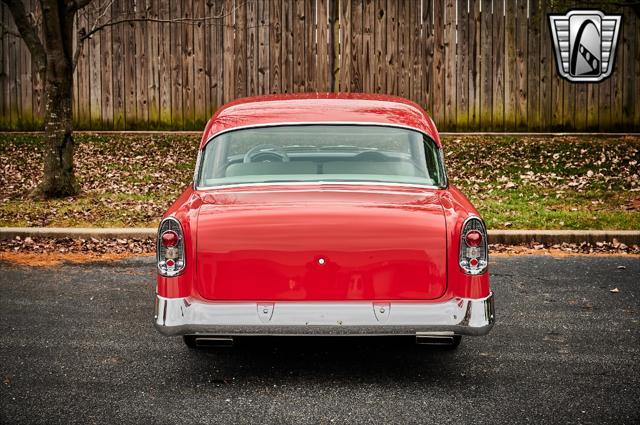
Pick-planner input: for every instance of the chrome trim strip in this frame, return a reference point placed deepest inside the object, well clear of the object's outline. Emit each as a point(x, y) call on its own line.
point(185, 316)
point(300, 183)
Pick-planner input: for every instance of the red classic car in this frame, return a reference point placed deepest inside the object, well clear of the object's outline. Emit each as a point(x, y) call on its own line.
point(322, 214)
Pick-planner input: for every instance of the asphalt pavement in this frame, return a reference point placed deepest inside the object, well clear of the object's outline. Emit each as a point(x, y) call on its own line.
point(77, 345)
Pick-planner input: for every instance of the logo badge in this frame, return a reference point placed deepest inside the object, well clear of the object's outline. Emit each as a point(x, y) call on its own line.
point(585, 43)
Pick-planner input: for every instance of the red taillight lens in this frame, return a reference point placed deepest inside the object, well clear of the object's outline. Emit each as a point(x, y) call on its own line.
point(169, 239)
point(170, 248)
point(473, 256)
point(473, 238)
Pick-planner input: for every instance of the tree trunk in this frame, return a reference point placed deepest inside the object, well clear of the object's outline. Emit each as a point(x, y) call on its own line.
point(59, 179)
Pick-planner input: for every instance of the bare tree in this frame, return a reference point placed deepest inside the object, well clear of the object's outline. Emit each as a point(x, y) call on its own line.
point(54, 60)
point(53, 57)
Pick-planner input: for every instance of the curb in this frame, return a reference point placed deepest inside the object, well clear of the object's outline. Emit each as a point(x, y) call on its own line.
point(505, 237)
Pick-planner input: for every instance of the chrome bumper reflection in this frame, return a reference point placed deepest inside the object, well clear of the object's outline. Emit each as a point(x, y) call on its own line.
point(183, 316)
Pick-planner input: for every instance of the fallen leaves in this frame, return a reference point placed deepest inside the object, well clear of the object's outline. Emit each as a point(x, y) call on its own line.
point(130, 180)
point(69, 245)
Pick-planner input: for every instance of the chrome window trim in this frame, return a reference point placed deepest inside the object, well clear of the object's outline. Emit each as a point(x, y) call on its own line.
point(319, 183)
point(305, 123)
point(184, 248)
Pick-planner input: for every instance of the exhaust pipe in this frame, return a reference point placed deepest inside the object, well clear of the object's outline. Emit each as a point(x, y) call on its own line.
point(213, 341)
point(436, 339)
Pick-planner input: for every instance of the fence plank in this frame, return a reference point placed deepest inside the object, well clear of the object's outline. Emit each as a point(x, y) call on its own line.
point(216, 52)
point(310, 45)
point(345, 45)
point(617, 79)
point(275, 46)
point(356, 46)
point(404, 37)
point(287, 46)
point(427, 54)
point(188, 75)
point(392, 47)
point(533, 67)
point(252, 48)
point(176, 67)
point(228, 35)
point(298, 40)
point(199, 64)
point(450, 63)
point(629, 30)
point(106, 58)
point(636, 76)
point(323, 77)
point(380, 47)
point(4, 113)
point(462, 69)
point(438, 62)
point(475, 51)
point(164, 65)
point(17, 81)
point(521, 63)
point(497, 91)
point(26, 89)
point(510, 69)
point(117, 79)
point(263, 47)
point(546, 69)
point(416, 52)
point(83, 70)
point(486, 67)
point(368, 47)
point(142, 73)
point(10, 72)
point(153, 68)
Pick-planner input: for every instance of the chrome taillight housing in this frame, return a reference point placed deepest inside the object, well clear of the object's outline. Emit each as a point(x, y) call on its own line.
point(170, 248)
point(474, 246)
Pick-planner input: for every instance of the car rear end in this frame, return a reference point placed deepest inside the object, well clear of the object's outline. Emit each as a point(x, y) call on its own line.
point(322, 229)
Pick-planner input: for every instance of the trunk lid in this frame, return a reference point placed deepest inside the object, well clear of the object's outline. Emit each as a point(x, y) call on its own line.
point(321, 244)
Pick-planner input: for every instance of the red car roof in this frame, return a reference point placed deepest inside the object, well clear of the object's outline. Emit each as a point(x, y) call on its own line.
point(320, 108)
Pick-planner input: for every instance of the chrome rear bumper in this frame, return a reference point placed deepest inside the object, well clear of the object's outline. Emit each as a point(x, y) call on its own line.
point(185, 316)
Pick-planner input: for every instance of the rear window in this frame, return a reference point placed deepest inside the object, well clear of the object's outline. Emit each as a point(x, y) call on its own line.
point(321, 153)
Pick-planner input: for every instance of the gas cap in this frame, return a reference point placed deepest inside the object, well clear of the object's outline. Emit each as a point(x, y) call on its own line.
point(265, 312)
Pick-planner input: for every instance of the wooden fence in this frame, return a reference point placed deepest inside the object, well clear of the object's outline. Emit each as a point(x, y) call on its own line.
point(472, 64)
